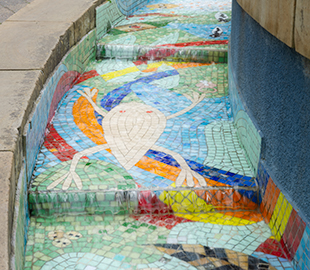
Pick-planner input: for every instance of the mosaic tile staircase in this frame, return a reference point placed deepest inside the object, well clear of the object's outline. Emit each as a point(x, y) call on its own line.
point(149, 242)
point(140, 218)
point(157, 53)
point(171, 32)
point(226, 191)
point(149, 187)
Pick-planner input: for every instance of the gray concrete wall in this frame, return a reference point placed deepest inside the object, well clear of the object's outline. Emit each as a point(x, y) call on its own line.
point(33, 41)
point(274, 83)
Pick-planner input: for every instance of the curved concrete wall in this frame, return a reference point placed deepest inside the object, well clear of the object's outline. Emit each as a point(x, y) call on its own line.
point(271, 83)
point(33, 42)
point(44, 49)
point(288, 20)
point(274, 83)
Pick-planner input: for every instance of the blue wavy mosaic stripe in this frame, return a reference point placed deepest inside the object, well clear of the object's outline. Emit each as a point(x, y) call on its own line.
point(114, 98)
point(218, 175)
point(183, 132)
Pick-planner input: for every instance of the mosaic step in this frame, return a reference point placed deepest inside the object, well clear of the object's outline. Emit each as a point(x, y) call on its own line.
point(139, 202)
point(215, 241)
point(128, 131)
point(143, 165)
point(162, 52)
point(176, 31)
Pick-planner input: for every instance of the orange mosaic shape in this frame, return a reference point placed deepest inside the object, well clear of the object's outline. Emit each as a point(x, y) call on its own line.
point(150, 70)
point(167, 171)
point(248, 215)
point(189, 65)
point(225, 199)
point(159, 168)
point(84, 117)
point(165, 6)
point(269, 201)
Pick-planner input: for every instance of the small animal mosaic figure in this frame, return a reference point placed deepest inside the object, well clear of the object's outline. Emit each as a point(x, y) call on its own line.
point(217, 32)
point(221, 17)
point(206, 85)
point(62, 239)
point(130, 130)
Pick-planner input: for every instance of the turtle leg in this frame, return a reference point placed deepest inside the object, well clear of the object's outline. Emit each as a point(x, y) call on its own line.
point(186, 172)
point(88, 94)
point(195, 100)
point(72, 175)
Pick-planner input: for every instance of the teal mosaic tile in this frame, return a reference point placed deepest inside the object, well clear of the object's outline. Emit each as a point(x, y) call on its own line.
point(224, 149)
point(160, 205)
point(170, 31)
point(107, 15)
point(250, 138)
point(114, 242)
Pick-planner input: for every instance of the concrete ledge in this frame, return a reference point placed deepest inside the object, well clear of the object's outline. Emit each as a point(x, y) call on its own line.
point(288, 20)
point(302, 28)
point(276, 16)
point(7, 191)
point(33, 42)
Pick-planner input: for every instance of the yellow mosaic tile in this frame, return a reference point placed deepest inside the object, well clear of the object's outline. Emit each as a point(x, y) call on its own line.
point(184, 201)
point(119, 73)
point(280, 217)
point(158, 64)
point(217, 218)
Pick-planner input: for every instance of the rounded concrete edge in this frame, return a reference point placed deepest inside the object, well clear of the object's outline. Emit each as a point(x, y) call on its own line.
point(293, 30)
point(21, 86)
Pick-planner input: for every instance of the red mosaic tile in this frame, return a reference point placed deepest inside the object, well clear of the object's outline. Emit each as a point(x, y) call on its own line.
point(292, 235)
point(66, 81)
point(87, 75)
point(58, 146)
point(156, 14)
point(167, 221)
point(140, 62)
point(157, 54)
point(272, 247)
point(196, 43)
point(269, 201)
point(150, 204)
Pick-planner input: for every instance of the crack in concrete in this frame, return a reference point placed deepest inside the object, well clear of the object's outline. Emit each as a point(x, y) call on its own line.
point(26, 69)
point(7, 8)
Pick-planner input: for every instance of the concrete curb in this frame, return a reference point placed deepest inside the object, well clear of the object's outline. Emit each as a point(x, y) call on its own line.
point(33, 42)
